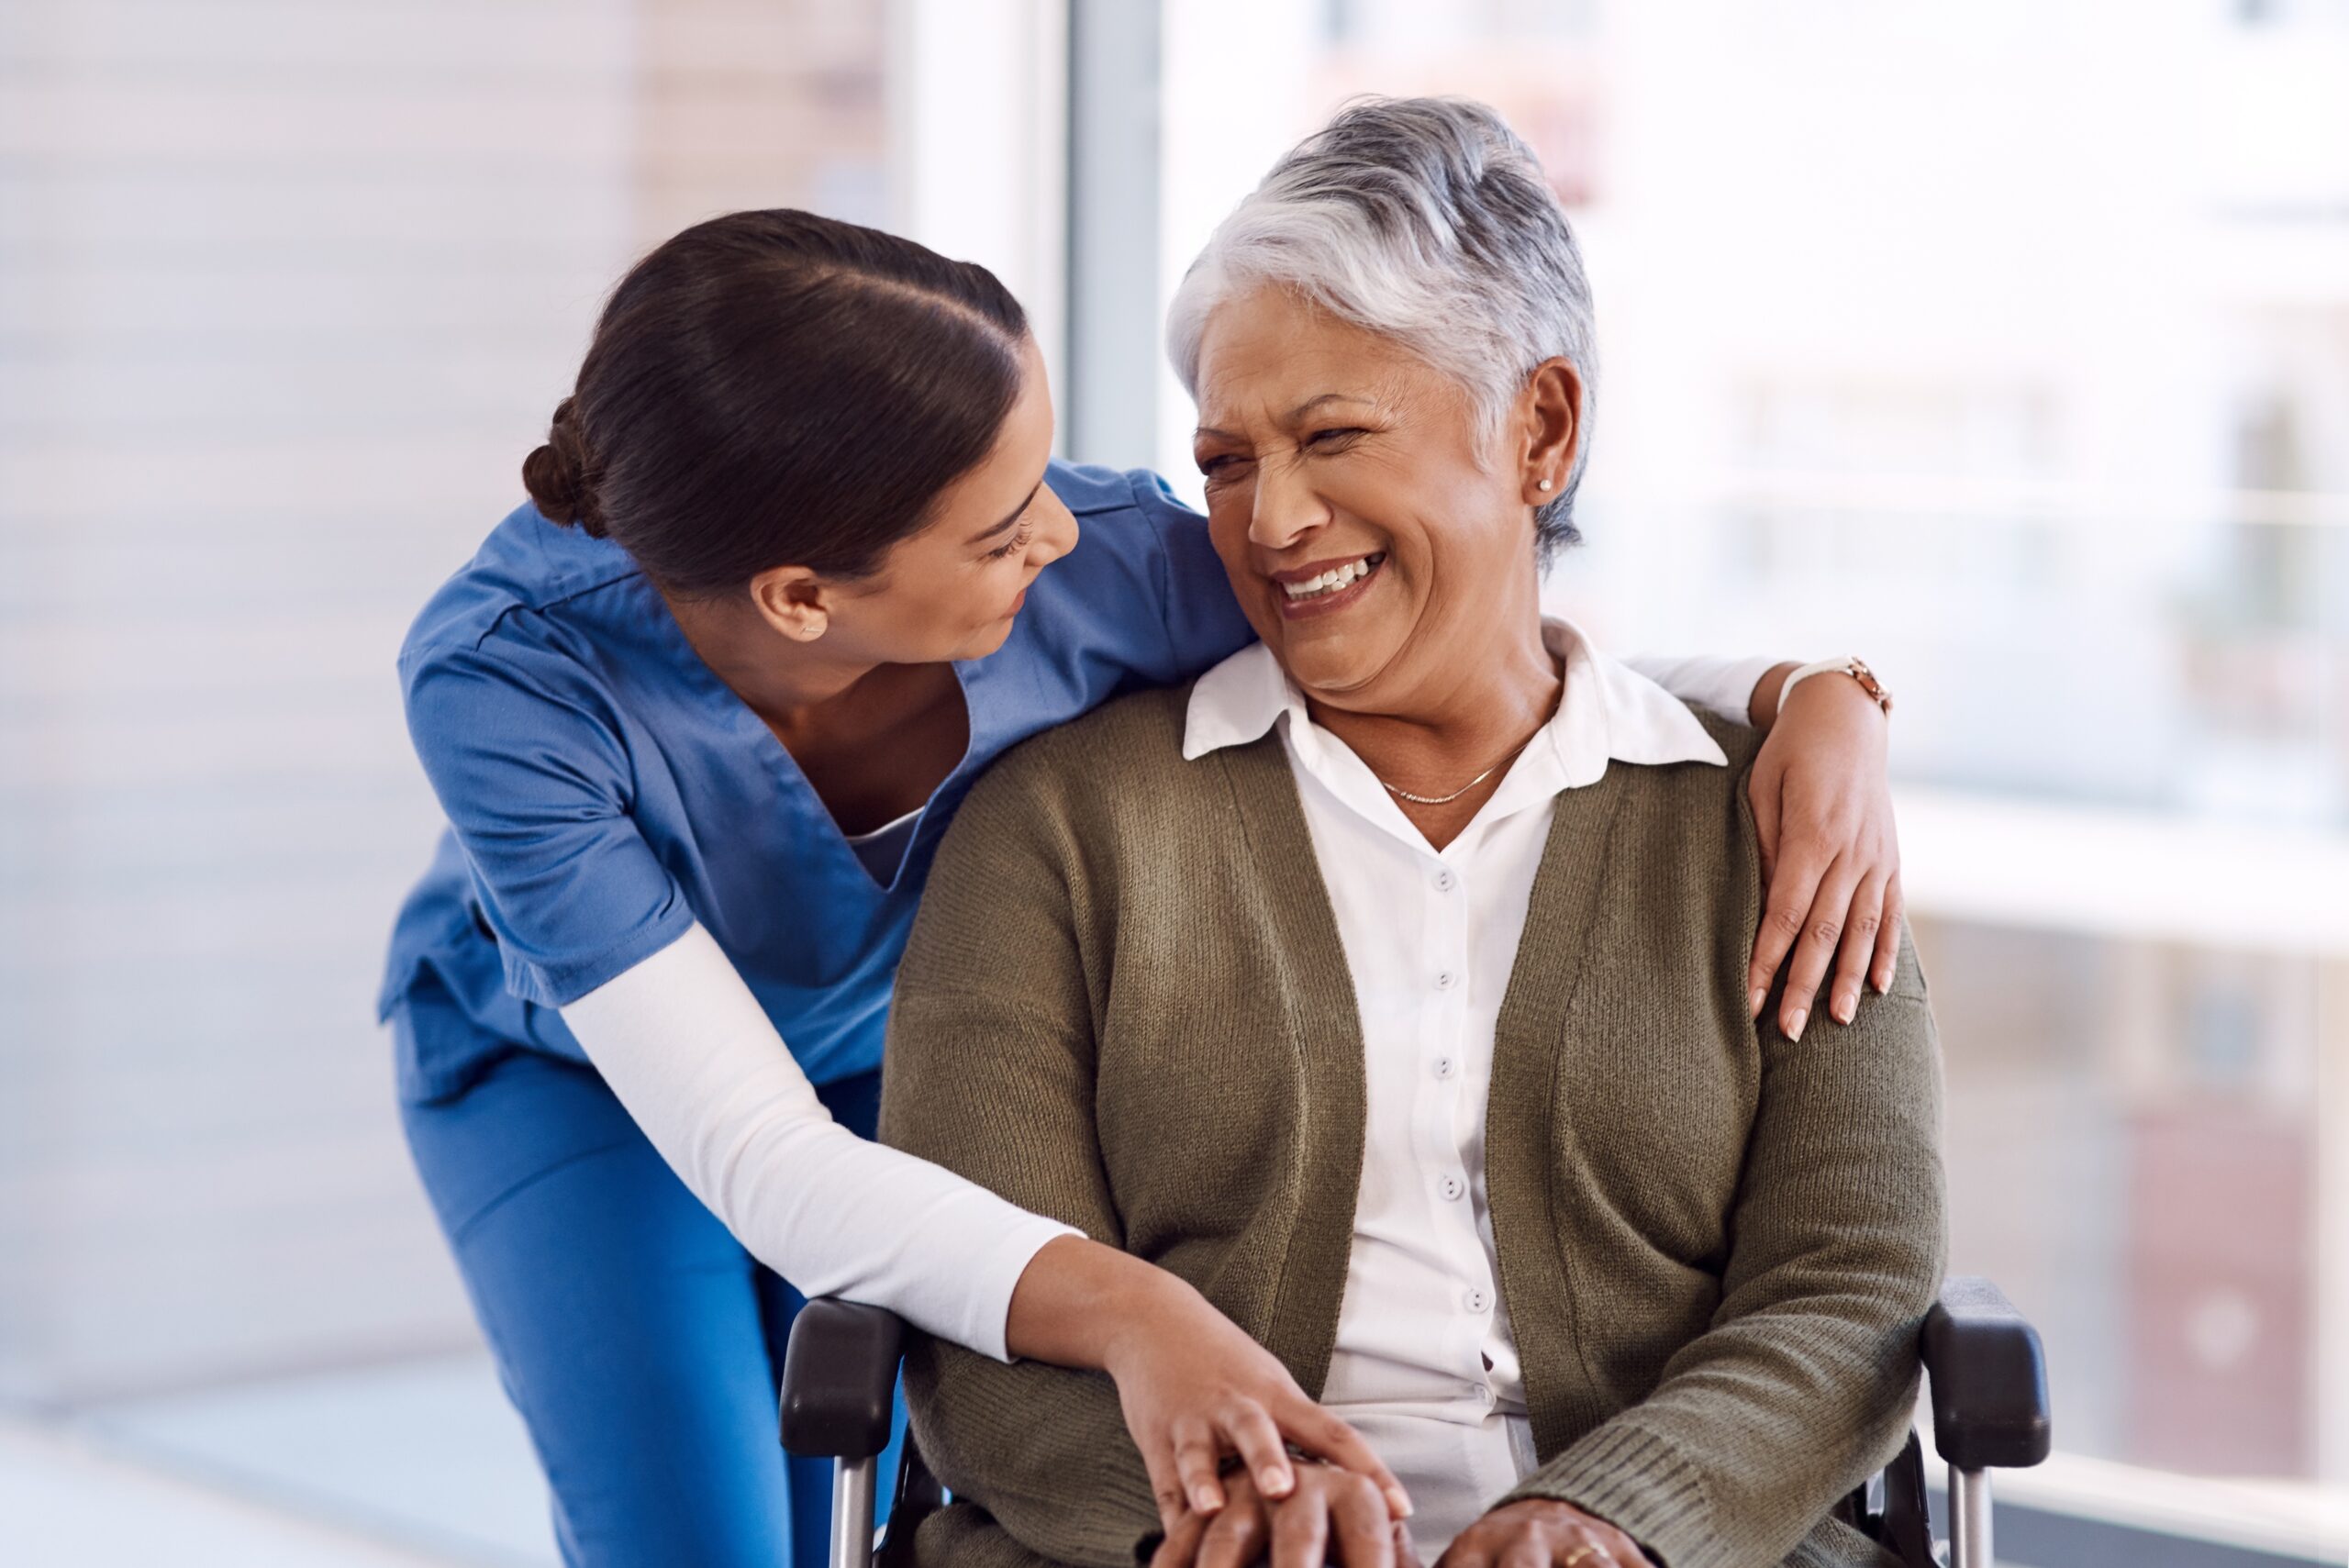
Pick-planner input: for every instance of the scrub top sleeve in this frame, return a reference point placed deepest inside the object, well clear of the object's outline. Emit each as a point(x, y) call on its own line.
point(1204, 624)
point(531, 772)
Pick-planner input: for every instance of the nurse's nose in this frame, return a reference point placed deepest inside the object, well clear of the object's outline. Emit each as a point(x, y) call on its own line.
point(1056, 532)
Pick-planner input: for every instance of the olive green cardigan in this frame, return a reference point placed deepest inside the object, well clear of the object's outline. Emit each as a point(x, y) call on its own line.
point(1126, 1005)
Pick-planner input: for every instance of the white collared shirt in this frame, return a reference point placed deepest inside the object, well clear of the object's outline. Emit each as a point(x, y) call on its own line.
point(1425, 1363)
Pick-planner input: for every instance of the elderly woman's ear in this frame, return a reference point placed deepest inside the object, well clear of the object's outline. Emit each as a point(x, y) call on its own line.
point(1549, 429)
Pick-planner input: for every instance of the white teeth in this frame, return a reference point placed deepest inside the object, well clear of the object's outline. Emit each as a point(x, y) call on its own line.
point(1335, 578)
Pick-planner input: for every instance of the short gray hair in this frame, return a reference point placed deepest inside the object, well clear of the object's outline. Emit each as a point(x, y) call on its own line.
point(1428, 221)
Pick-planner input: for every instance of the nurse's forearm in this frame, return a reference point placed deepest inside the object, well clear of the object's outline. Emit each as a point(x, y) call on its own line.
point(1730, 687)
point(1079, 1303)
point(694, 1060)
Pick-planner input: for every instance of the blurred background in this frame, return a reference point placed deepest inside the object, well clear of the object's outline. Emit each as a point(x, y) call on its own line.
point(2004, 344)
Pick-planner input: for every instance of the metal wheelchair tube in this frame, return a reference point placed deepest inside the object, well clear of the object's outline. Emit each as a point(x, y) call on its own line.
point(1969, 1518)
point(852, 1512)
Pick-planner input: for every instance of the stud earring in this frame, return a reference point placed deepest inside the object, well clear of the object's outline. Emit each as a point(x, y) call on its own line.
point(1542, 485)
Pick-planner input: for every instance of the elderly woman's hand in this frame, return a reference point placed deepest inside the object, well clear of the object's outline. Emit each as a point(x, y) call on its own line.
point(1537, 1533)
point(1824, 806)
point(1331, 1516)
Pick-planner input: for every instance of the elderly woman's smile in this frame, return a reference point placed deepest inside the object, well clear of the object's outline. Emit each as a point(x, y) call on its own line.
point(1322, 587)
point(1365, 512)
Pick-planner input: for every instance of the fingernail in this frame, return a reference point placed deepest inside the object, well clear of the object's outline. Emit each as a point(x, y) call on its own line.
point(1275, 1483)
point(1845, 1007)
point(1204, 1500)
point(1754, 1000)
point(1794, 1025)
point(1883, 987)
point(1399, 1504)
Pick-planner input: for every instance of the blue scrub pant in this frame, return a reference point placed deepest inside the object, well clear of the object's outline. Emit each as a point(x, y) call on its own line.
point(642, 1344)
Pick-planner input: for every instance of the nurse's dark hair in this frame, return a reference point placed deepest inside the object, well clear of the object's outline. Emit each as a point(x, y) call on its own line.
point(779, 389)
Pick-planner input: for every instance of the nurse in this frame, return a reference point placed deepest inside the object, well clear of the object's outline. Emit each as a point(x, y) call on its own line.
point(797, 565)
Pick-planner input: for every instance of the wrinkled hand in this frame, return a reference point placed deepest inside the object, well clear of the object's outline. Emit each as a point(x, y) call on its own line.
point(1538, 1534)
point(1329, 1516)
point(1194, 1386)
point(1830, 861)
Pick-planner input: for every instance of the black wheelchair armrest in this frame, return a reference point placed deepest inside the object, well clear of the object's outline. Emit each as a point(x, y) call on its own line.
point(839, 1373)
point(1989, 1379)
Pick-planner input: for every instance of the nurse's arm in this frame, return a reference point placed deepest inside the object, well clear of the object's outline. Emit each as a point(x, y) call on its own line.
point(1822, 803)
point(533, 766)
point(695, 1061)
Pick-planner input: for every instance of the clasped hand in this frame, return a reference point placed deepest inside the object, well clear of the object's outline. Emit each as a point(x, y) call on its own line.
point(1332, 1515)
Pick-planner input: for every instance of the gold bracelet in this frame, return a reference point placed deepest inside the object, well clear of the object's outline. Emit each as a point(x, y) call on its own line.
point(1854, 668)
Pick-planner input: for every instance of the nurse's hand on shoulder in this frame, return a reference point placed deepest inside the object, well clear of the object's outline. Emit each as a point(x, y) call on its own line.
point(1537, 1533)
point(1330, 1516)
point(1830, 861)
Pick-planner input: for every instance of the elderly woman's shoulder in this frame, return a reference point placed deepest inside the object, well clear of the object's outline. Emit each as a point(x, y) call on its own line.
point(1679, 795)
point(1741, 743)
point(1131, 736)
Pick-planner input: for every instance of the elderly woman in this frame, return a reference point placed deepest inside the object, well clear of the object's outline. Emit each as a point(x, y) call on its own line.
point(1389, 983)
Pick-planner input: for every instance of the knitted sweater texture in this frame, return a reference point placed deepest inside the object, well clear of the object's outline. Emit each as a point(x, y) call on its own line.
point(1126, 1005)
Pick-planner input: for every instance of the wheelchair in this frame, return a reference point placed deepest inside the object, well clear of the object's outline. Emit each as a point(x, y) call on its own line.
point(1983, 1362)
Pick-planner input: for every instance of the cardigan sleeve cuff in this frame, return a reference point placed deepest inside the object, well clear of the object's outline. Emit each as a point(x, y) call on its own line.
point(1641, 1485)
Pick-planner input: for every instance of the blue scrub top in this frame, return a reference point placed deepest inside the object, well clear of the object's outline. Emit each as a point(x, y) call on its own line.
point(605, 790)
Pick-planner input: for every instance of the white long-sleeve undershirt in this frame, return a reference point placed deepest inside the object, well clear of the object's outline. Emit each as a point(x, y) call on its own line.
point(695, 1061)
point(1714, 682)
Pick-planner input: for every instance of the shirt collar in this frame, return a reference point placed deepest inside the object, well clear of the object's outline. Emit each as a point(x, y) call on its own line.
point(1608, 713)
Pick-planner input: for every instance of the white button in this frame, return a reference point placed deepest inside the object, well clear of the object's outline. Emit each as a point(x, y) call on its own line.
point(1445, 881)
point(1445, 1067)
point(1453, 1188)
point(1477, 1300)
point(1446, 980)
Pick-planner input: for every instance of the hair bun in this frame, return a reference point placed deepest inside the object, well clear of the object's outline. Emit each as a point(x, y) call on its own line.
point(561, 475)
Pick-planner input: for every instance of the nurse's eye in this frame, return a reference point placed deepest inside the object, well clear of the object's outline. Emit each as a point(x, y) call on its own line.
point(1336, 441)
point(1015, 544)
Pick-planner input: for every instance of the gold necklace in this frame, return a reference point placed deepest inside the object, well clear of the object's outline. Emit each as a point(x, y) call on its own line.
point(1464, 789)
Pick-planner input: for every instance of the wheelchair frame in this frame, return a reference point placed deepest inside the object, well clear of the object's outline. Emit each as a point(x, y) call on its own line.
point(1983, 1362)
